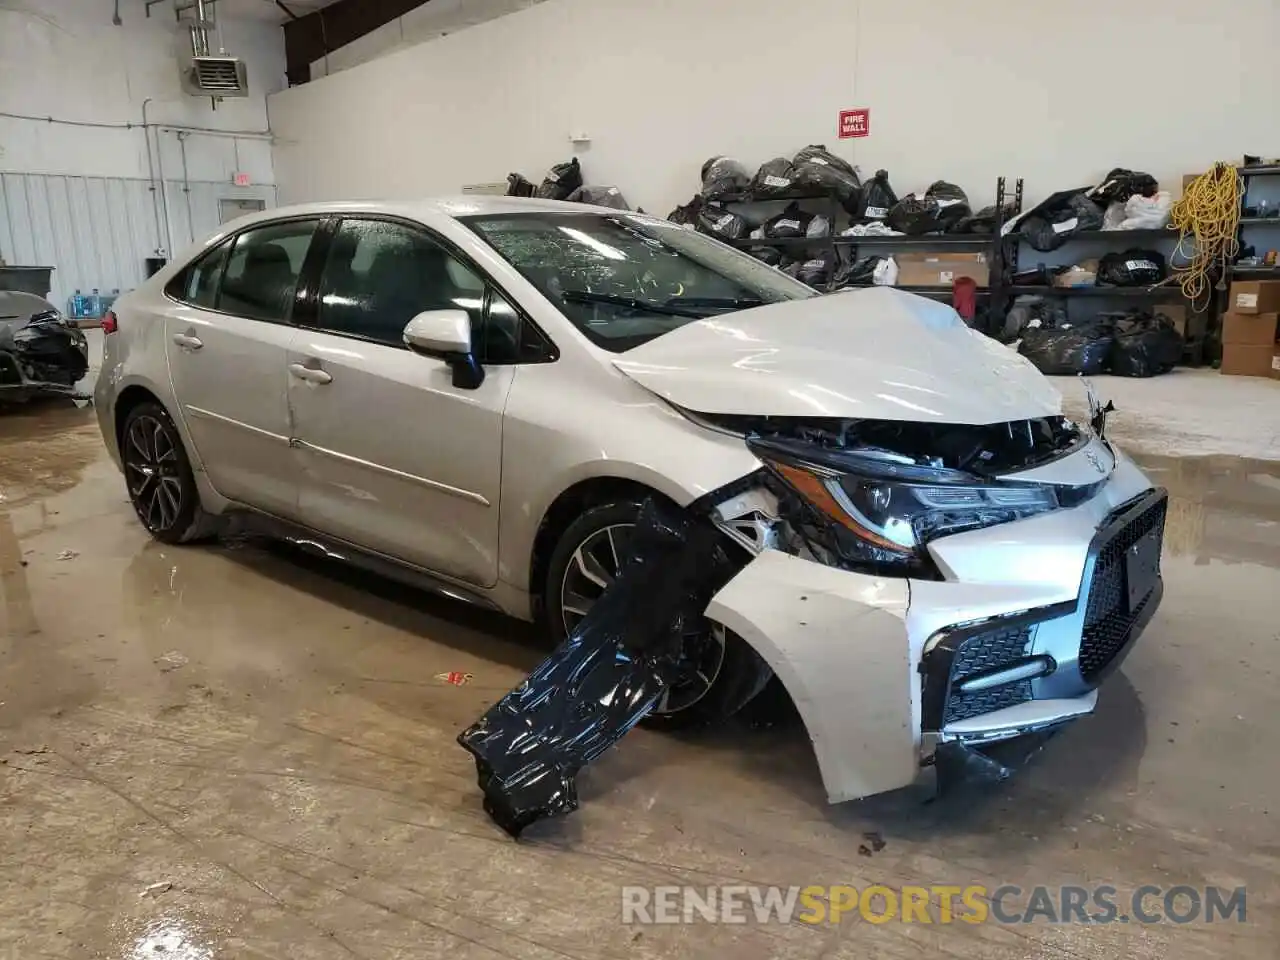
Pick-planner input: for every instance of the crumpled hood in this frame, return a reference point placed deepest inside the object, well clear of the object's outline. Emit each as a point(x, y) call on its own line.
point(879, 354)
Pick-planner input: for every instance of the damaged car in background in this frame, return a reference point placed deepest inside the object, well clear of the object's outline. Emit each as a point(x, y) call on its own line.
point(697, 472)
point(42, 354)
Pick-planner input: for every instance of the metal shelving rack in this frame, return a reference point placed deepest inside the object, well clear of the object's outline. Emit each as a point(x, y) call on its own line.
point(1248, 173)
point(834, 243)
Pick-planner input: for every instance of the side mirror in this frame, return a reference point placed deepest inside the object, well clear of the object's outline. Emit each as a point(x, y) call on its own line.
point(446, 335)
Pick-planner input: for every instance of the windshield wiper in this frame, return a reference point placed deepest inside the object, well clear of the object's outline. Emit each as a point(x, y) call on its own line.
point(729, 303)
point(649, 306)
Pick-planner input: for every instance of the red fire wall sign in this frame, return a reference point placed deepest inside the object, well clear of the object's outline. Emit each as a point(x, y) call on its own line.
point(855, 123)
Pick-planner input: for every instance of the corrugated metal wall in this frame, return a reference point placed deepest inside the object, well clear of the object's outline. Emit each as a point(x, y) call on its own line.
point(97, 231)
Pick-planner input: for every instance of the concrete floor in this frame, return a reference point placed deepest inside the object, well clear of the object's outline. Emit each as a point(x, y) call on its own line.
point(265, 738)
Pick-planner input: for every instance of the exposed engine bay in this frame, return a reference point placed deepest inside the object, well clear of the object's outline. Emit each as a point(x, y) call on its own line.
point(41, 354)
point(857, 495)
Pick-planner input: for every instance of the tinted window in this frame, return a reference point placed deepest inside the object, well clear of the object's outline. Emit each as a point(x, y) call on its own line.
point(262, 272)
point(667, 275)
point(379, 275)
point(198, 284)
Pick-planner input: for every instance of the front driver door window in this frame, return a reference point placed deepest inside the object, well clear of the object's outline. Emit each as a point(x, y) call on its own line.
point(398, 459)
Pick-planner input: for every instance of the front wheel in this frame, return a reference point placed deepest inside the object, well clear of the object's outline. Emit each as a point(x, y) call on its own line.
point(717, 673)
point(158, 474)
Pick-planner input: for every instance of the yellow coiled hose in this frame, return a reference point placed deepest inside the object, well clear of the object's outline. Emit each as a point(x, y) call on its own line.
point(1208, 219)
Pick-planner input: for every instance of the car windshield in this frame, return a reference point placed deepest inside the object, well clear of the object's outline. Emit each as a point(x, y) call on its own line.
point(626, 278)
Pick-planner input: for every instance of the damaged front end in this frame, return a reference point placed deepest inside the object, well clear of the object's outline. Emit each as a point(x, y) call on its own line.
point(935, 599)
point(41, 355)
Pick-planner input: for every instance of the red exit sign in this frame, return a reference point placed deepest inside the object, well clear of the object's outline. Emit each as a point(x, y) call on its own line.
point(241, 179)
point(855, 123)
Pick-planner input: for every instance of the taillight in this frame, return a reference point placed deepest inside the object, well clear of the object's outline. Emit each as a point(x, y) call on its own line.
point(109, 324)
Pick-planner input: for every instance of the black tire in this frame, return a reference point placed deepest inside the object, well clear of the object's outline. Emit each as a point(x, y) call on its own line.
point(735, 672)
point(158, 476)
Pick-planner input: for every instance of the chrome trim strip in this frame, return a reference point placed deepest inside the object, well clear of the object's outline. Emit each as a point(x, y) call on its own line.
point(392, 472)
point(210, 415)
point(1028, 669)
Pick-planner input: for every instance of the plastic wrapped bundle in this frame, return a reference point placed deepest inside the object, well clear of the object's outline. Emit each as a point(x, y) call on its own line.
point(720, 223)
point(1068, 350)
point(775, 178)
point(600, 197)
point(561, 180)
point(722, 176)
point(518, 186)
point(878, 198)
point(1132, 268)
point(1144, 346)
point(792, 222)
point(687, 215)
point(821, 171)
point(1121, 184)
point(1050, 228)
point(942, 206)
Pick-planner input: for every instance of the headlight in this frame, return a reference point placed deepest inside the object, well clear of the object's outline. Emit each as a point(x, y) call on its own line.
point(881, 510)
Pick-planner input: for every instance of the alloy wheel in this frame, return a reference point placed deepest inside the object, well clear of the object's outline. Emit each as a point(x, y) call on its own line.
point(593, 566)
point(152, 471)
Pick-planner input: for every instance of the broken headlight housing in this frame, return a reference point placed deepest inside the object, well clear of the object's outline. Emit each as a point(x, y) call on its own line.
point(877, 510)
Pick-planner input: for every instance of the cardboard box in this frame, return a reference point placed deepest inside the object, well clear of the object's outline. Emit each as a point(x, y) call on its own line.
point(1248, 360)
point(1187, 178)
point(1249, 330)
point(1255, 296)
point(941, 269)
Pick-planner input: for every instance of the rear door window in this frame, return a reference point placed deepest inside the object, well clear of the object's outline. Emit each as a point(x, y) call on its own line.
point(261, 277)
point(198, 283)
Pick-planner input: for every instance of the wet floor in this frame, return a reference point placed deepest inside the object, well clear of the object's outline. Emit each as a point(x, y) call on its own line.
point(236, 752)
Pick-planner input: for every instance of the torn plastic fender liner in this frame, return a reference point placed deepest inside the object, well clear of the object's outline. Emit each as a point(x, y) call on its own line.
point(606, 676)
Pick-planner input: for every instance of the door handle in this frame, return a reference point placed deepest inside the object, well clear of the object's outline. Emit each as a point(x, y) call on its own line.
point(187, 342)
point(309, 374)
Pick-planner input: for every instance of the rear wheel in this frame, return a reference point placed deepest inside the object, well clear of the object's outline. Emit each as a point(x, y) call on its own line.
point(158, 475)
point(717, 674)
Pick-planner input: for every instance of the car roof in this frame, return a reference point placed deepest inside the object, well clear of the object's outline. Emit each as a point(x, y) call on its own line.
point(462, 206)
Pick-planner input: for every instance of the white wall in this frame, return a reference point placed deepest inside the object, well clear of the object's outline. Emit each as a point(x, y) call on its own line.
point(67, 189)
point(966, 92)
point(63, 58)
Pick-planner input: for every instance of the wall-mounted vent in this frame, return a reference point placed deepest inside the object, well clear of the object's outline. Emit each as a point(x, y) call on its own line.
point(216, 77)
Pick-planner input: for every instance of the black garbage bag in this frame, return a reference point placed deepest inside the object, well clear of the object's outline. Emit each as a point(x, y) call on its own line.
point(721, 223)
point(821, 171)
point(770, 255)
point(942, 207)
point(722, 176)
point(859, 273)
point(687, 215)
point(1131, 268)
point(791, 222)
point(984, 221)
point(1121, 184)
point(518, 186)
point(817, 271)
point(612, 669)
point(1051, 227)
point(1068, 350)
point(600, 197)
point(561, 180)
point(953, 203)
point(1144, 346)
point(878, 198)
point(775, 178)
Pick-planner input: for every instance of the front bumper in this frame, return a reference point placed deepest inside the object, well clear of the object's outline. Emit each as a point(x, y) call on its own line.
point(892, 675)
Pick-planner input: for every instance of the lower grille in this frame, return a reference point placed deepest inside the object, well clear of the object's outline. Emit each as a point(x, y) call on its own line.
point(980, 654)
point(1108, 619)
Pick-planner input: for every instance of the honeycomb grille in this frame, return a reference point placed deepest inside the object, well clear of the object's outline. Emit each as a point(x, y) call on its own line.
point(978, 654)
point(1107, 621)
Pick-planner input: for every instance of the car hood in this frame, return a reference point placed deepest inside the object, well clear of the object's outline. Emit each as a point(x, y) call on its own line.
point(878, 353)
